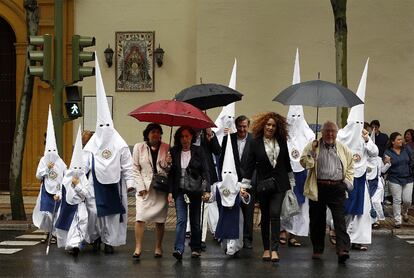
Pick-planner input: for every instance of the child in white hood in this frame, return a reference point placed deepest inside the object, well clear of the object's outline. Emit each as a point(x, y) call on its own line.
point(72, 223)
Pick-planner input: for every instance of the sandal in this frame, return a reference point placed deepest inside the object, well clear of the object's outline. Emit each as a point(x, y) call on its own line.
point(359, 247)
point(136, 256)
point(283, 237)
point(294, 243)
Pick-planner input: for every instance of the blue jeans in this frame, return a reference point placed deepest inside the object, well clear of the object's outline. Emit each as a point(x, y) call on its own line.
point(181, 211)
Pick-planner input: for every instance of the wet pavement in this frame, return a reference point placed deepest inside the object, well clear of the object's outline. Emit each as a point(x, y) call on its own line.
point(388, 256)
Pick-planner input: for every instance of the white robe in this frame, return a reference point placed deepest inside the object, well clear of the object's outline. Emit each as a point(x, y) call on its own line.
point(109, 228)
point(359, 226)
point(43, 219)
point(78, 231)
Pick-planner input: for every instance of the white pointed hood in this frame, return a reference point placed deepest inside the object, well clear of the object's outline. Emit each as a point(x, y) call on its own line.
point(300, 134)
point(51, 151)
point(351, 134)
point(76, 162)
point(76, 169)
point(106, 142)
point(52, 177)
point(226, 117)
point(229, 187)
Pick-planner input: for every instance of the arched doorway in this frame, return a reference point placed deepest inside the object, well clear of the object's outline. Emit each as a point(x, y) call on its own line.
point(7, 99)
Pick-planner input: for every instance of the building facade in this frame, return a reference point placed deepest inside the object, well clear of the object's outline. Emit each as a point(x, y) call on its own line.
point(201, 39)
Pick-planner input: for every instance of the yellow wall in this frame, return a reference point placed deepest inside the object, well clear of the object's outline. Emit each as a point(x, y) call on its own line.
point(175, 29)
point(202, 37)
point(14, 13)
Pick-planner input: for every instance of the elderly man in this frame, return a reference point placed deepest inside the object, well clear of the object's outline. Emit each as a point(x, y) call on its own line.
point(331, 173)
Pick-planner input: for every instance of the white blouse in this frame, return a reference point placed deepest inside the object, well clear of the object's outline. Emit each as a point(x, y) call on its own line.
point(272, 150)
point(185, 158)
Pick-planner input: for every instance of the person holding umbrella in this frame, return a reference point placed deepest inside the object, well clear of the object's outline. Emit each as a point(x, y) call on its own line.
point(189, 184)
point(150, 157)
point(268, 155)
point(330, 171)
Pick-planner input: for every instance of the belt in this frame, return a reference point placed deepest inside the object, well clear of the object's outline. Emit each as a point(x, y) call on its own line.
point(330, 182)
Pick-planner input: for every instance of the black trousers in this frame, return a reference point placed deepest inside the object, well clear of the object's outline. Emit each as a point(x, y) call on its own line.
point(248, 215)
point(332, 196)
point(270, 207)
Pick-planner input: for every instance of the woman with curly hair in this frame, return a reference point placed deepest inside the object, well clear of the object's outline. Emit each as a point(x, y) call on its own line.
point(268, 155)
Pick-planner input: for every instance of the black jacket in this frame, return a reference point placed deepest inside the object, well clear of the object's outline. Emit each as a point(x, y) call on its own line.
point(237, 161)
point(210, 148)
point(257, 159)
point(197, 165)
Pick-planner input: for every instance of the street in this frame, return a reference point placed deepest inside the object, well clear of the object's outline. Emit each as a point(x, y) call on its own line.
point(389, 256)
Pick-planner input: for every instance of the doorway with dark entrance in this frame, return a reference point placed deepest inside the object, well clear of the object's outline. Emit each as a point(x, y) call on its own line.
point(7, 99)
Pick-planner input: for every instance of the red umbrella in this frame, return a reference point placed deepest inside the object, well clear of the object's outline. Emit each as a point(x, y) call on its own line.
point(172, 113)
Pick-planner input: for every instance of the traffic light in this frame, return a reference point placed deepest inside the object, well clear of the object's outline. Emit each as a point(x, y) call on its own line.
point(73, 102)
point(79, 57)
point(42, 55)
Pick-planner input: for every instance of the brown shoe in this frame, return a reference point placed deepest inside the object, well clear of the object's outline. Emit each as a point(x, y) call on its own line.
point(275, 257)
point(266, 255)
point(195, 255)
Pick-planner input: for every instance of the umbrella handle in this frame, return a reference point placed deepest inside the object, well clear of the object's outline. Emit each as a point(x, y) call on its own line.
point(170, 136)
point(316, 126)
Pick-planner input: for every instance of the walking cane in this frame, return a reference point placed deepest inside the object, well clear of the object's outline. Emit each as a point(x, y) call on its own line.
point(202, 217)
point(51, 230)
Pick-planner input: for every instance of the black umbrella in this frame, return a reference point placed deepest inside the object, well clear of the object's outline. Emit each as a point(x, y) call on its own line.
point(206, 96)
point(318, 93)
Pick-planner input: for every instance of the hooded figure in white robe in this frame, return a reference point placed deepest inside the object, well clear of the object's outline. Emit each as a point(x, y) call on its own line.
point(358, 206)
point(227, 194)
point(50, 172)
point(110, 164)
point(375, 169)
point(72, 223)
point(224, 120)
point(299, 135)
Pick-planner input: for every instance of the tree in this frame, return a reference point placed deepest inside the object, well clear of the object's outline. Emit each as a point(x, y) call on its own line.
point(15, 175)
point(341, 33)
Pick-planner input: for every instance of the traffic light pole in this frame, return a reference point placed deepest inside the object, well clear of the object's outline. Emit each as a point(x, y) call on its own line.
point(58, 78)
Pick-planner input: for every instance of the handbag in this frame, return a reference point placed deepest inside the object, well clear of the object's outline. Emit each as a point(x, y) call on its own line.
point(191, 183)
point(160, 183)
point(290, 205)
point(266, 186)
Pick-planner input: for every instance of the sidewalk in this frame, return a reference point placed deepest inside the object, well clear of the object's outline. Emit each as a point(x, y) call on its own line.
point(387, 226)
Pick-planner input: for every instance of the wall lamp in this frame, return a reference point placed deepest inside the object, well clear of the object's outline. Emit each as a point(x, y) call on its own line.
point(159, 55)
point(109, 55)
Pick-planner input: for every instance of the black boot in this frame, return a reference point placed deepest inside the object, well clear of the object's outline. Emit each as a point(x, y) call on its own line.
point(97, 245)
point(108, 249)
point(75, 252)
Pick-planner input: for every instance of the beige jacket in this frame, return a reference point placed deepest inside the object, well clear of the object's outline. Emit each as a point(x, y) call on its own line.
point(143, 164)
point(308, 162)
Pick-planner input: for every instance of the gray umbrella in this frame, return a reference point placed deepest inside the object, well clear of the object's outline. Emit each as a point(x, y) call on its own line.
point(318, 93)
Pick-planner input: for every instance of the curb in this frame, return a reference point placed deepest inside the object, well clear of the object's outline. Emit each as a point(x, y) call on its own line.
point(16, 226)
